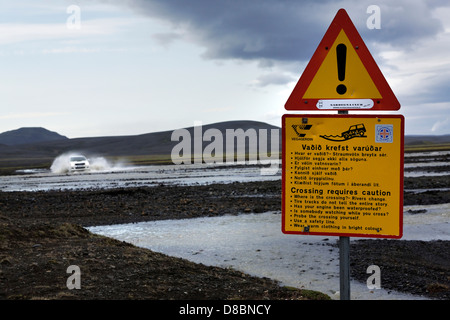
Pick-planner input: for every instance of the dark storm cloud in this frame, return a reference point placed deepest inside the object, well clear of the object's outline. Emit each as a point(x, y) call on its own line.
point(283, 30)
point(405, 23)
point(250, 29)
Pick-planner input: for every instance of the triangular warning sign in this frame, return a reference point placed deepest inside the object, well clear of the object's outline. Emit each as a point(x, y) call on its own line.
point(342, 74)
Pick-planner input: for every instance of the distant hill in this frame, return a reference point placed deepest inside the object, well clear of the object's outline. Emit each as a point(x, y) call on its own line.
point(427, 140)
point(38, 147)
point(158, 145)
point(28, 135)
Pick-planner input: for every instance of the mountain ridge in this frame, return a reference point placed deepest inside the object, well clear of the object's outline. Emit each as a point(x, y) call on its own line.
point(148, 145)
point(154, 144)
point(27, 135)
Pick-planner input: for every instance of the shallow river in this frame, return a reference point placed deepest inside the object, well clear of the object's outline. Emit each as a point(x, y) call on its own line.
point(252, 243)
point(107, 175)
point(122, 177)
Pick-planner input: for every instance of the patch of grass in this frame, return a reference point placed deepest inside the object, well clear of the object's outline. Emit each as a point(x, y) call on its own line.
point(426, 147)
point(309, 294)
point(314, 295)
point(145, 160)
point(10, 166)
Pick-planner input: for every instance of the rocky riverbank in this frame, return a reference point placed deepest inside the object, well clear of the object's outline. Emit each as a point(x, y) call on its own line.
point(42, 234)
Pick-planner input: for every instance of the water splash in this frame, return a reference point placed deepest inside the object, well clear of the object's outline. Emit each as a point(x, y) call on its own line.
point(61, 163)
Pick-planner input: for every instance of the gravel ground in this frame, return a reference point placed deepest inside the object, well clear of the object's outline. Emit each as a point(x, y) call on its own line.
point(42, 234)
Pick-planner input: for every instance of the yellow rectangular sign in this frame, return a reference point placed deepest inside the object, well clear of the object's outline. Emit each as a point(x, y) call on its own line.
point(343, 175)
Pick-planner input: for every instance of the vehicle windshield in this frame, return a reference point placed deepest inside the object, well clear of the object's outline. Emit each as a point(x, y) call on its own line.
point(77, 158)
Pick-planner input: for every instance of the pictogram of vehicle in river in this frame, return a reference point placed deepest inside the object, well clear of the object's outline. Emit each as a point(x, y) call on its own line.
point(355, 131)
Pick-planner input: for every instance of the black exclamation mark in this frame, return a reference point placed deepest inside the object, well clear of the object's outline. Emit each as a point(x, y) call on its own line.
point(341, 53)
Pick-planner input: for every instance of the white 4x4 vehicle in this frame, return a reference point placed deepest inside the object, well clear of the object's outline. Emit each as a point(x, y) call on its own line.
point(78, 163)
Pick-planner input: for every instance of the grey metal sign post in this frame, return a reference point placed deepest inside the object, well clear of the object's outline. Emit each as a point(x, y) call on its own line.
point(344, 267)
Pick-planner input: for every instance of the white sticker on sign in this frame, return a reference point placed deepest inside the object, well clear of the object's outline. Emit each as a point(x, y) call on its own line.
point(345, 104)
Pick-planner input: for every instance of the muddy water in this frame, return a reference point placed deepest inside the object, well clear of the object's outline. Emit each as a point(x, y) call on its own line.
point(127, 176)
point(254, 243)
point(118, 175)
point(251, 243)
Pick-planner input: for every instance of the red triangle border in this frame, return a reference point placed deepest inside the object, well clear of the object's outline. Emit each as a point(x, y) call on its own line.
point(340, 22)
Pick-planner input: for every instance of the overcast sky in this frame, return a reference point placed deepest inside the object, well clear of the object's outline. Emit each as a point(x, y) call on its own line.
point(125, 67)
